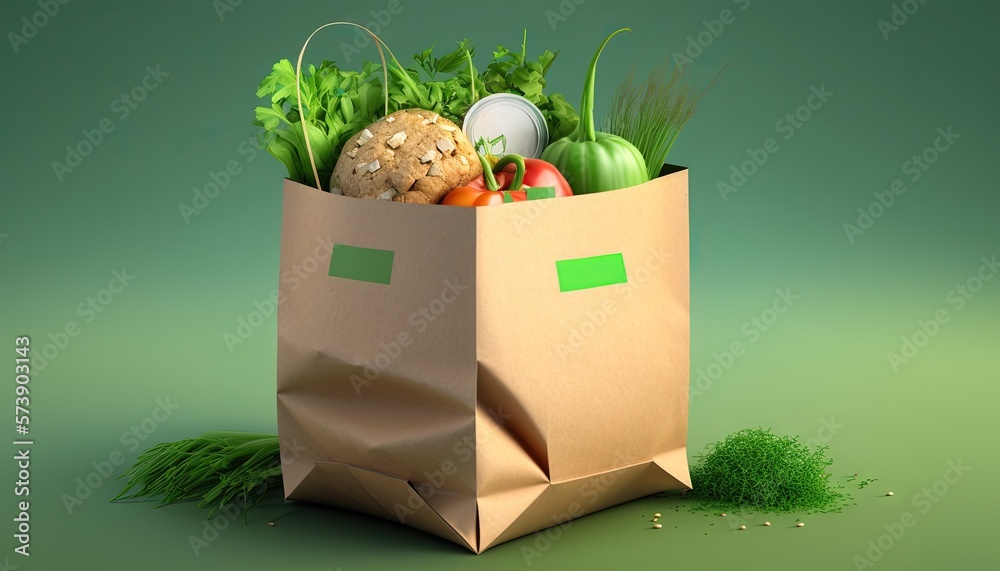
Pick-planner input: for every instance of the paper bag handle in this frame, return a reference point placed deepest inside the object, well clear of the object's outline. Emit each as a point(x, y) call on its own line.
point(298, 87)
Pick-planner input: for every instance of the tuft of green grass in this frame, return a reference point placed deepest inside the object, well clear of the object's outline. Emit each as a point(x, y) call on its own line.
point(757, 469)
point(217, 468)
point(652, 114)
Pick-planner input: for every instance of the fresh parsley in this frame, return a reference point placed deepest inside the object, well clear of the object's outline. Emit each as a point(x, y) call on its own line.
point(337, 103)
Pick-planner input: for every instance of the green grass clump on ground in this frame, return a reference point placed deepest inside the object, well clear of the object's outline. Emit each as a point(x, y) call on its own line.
point(759, 470)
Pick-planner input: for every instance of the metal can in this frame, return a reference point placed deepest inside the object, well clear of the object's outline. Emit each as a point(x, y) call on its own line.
point(512, 116)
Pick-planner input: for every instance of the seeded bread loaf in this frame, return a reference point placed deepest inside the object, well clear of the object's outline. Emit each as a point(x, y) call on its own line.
point(412, 155)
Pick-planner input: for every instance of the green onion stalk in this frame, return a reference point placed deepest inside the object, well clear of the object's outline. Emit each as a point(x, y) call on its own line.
point(217, 468)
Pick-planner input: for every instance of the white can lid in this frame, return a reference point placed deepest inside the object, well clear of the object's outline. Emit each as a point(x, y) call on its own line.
point(512, 116)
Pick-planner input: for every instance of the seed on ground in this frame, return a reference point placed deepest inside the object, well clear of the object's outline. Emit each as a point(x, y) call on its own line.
point(767, 523)
point(656, 519)
point(890, 494)
point(270, 523)
point(800, 524)
point(743, 527)
point(723, 515)
point(656, 515)
point(657, 526)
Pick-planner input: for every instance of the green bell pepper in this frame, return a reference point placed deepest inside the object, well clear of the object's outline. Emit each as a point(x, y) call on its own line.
point(593, 161)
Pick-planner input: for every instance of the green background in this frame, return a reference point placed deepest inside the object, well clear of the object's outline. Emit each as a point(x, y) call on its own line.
point(822, 364)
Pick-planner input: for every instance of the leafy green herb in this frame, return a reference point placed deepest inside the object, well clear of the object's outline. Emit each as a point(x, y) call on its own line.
point(651, 115)
point(754, 468)
point(513, 72)
point(217, 468)
point(446, 64)
point(337, 103)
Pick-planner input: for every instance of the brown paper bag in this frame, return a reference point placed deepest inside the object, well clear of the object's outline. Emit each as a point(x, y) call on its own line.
point(484, 373)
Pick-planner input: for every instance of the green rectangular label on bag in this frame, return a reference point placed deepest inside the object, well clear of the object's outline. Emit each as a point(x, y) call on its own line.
point(586, 273)
point(541, 192)
point(361, 264)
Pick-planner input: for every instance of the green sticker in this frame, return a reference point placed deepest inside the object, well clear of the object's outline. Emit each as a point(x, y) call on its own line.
point(361, 264)
point(586, 273)
point(506, 196)
point(540, 192)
